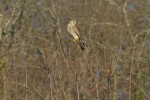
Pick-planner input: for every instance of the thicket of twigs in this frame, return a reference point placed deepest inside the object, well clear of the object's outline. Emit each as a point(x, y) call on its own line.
point(38, 60)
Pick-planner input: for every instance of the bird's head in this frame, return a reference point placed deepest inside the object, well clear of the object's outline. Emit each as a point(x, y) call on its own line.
point(72, 22)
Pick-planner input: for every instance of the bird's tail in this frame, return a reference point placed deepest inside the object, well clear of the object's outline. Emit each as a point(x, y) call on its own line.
point(82, 44)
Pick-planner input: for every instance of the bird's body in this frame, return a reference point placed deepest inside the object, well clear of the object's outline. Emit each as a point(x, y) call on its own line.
point(73, 31)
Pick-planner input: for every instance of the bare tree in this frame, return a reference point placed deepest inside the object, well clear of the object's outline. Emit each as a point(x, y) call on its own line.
point(38, 59)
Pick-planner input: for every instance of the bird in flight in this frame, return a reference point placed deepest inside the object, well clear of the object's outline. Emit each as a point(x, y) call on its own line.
point(73, 31)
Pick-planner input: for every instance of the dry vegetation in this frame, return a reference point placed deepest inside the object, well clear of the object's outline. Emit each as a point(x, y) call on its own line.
point(38, 60)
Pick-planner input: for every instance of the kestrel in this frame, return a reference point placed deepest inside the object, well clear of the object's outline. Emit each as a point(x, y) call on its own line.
point(73, 31)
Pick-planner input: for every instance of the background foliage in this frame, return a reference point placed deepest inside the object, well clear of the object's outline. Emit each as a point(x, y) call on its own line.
point(38, 60)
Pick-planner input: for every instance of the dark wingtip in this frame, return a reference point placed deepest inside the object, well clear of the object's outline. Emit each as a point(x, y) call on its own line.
point(82, 48)
point(82, 44)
